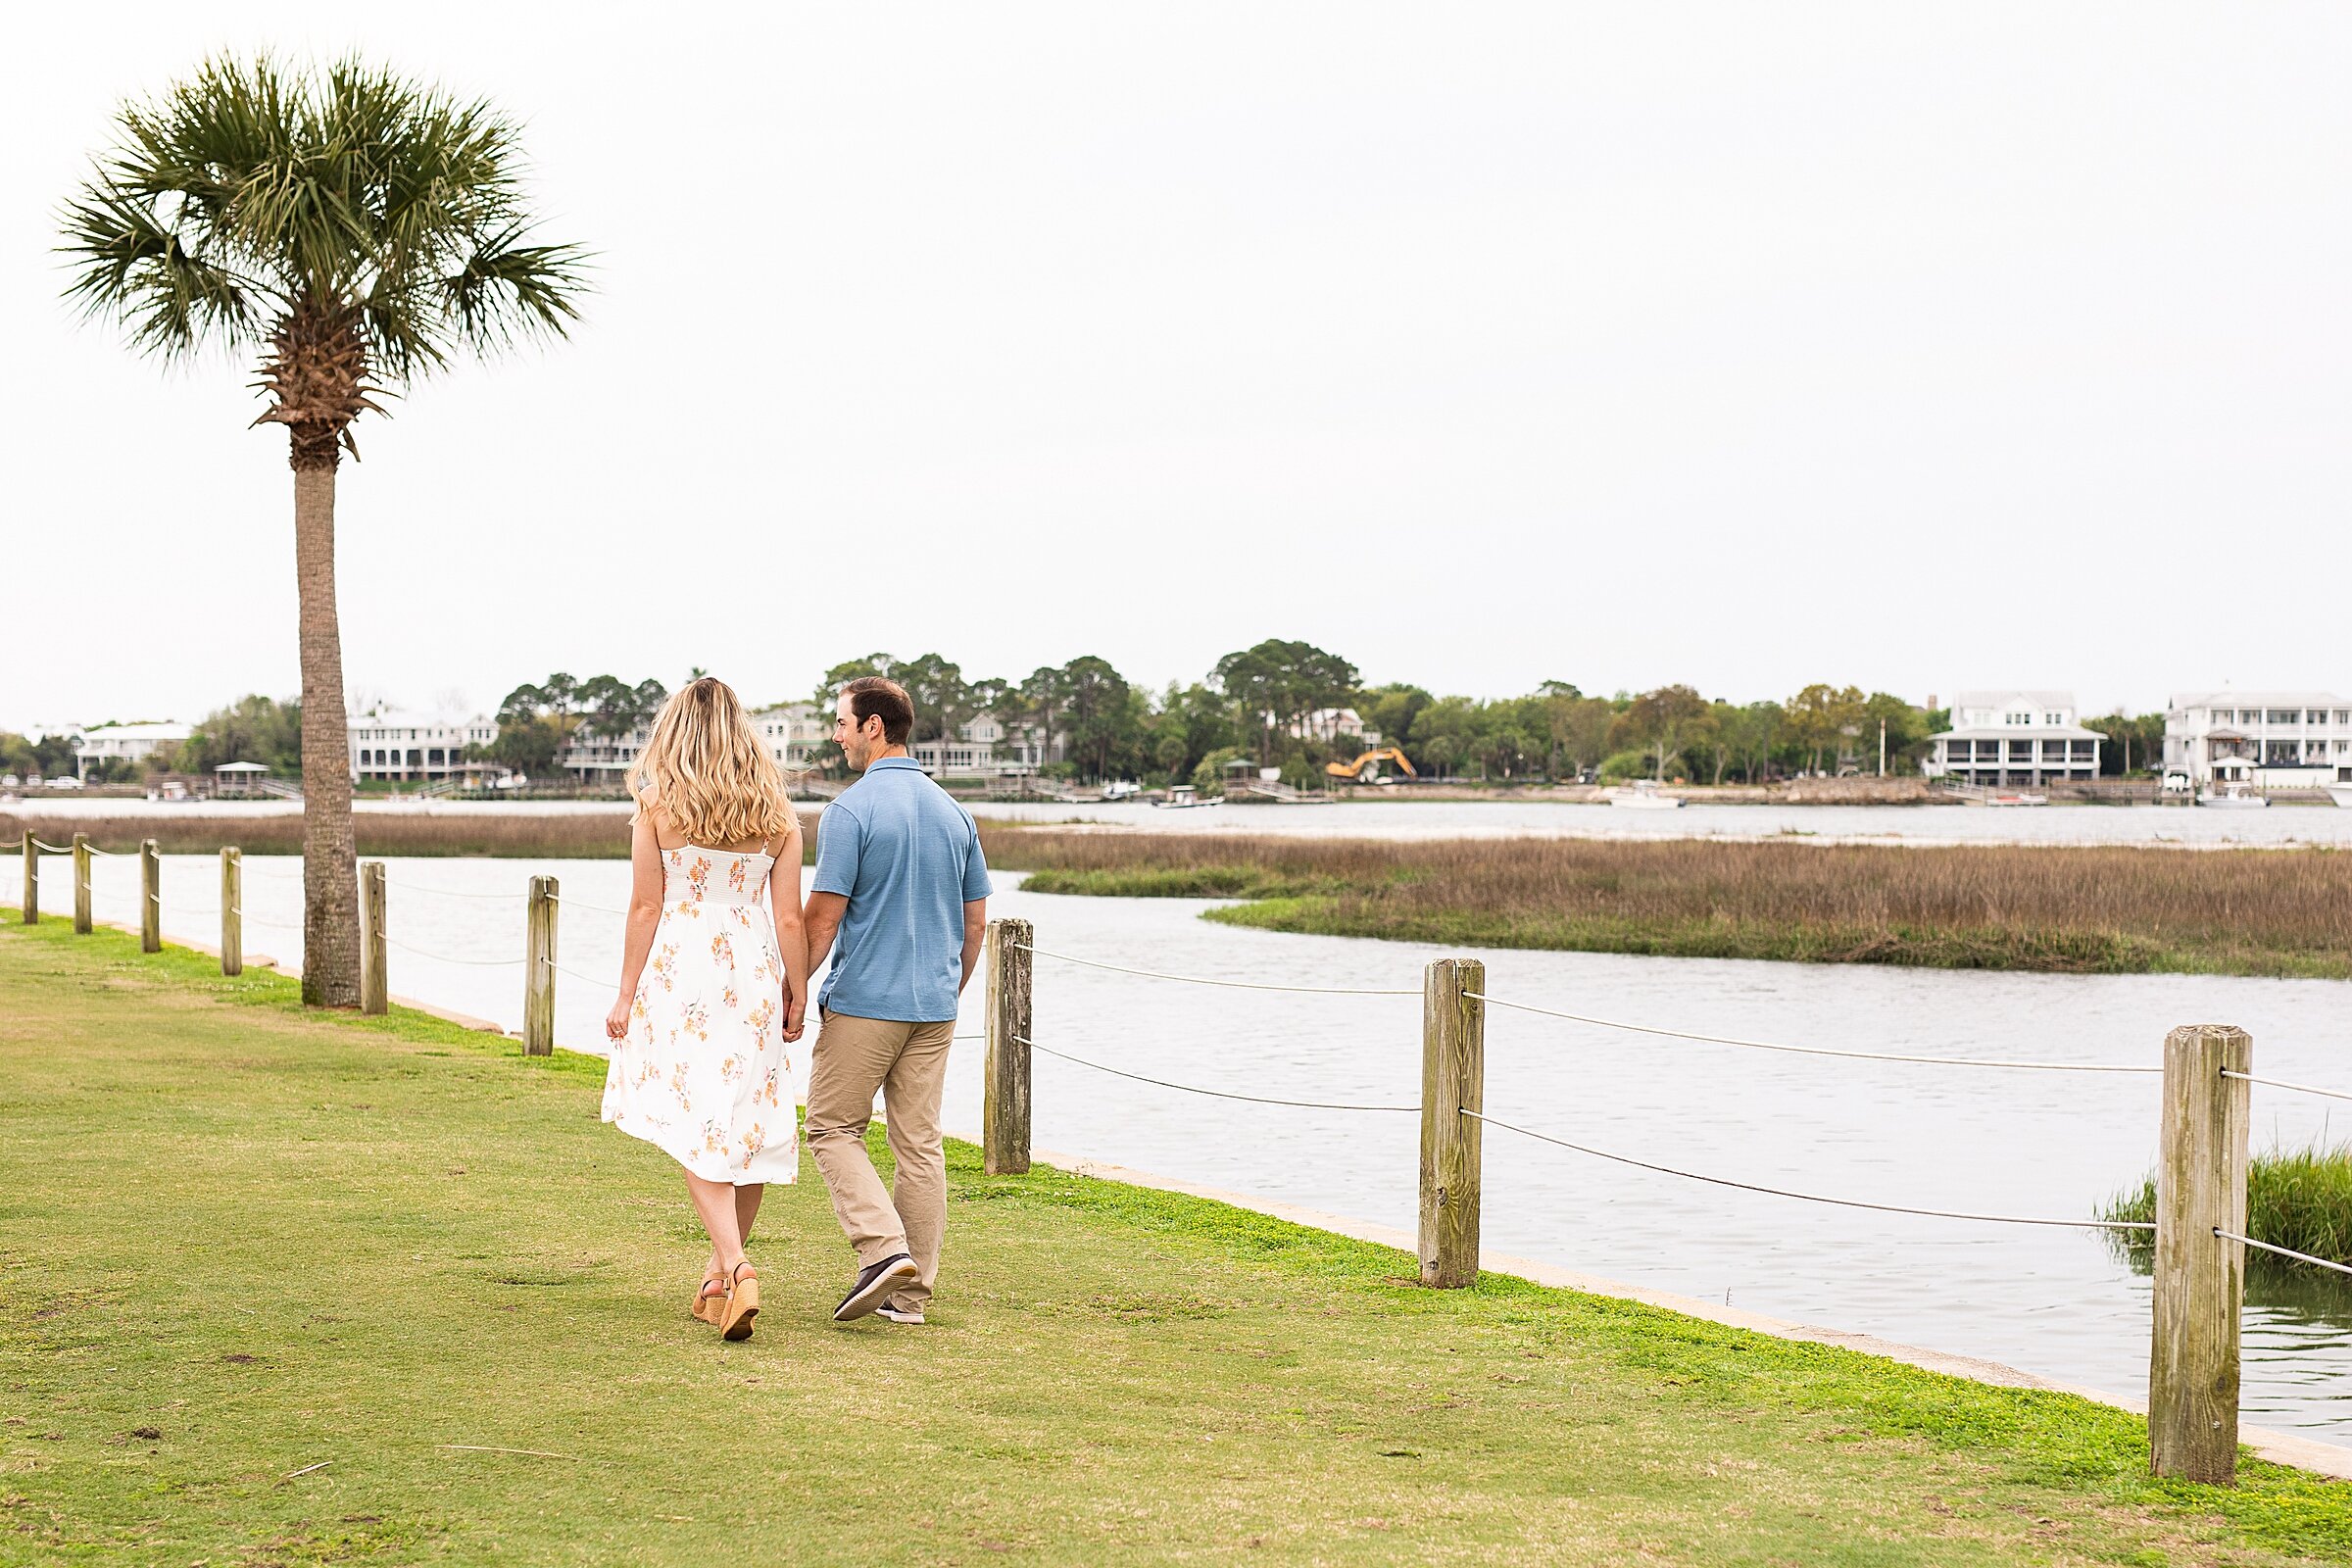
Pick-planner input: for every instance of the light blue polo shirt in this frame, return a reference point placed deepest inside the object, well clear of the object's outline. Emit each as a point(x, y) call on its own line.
point(908, 858)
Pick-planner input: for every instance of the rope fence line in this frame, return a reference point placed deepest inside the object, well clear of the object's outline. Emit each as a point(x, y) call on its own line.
point(451, 892)
point(443, 957)
point(1814, 1050)
point(2283, 1251)
point(1810, 1198)
point(53, 849)
point(2281, 1083)
point(1199, 980)
point(579, 903)
point(1191, 1089)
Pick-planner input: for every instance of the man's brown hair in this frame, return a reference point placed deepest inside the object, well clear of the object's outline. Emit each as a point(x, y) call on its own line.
point(874, 697)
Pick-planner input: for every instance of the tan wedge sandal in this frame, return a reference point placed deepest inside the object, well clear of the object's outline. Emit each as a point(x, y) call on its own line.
point(742, 1303)
point(712, 1298)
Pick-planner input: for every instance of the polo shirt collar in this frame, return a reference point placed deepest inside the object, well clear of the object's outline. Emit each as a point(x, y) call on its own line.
point(893, 761)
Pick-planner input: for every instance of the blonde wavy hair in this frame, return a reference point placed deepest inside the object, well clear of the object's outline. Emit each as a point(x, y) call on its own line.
point(707, 773)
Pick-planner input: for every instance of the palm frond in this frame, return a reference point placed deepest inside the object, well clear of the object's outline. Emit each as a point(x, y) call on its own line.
point(247, 194)
point(131, 263)
point(510, 289)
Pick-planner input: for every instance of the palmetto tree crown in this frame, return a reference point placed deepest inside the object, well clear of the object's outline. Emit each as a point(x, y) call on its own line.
point(360, 227)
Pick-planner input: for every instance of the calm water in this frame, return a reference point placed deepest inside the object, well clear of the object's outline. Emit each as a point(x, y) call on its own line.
point(1908, 824)
point(2039, 1144)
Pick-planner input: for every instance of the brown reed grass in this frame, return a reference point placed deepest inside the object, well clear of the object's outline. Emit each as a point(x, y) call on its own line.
point(2050, 908)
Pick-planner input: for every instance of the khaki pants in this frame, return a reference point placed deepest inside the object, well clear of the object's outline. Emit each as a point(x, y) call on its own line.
point(907, 1063)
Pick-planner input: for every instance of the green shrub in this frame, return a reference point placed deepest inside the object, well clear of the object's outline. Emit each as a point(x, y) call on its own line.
point(2298, 1198)
point(1208, 774)
point(1624, 766)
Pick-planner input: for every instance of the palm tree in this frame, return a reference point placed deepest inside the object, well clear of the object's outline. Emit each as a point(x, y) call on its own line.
point(354, 232)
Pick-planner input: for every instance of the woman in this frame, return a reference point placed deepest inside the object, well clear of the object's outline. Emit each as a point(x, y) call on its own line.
point(712, 986)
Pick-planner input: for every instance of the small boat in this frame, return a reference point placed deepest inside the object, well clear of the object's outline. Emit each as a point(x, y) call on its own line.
point(2233, 797)
point(2016, 798)
point(1121, 788)
point(2340, 793)
point(1644, 796)
point(1185, 797)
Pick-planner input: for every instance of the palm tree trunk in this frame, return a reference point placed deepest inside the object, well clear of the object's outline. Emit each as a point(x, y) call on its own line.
point(330, 912)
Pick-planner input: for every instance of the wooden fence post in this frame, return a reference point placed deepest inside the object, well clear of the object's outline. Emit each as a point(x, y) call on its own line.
point(1453, 1079)
point(232, 909)
point(151, 898)
point(28, 910)
point(2200, 1277)
point(1004, 1082)
point(376, 976)
point(539, 971)
point(82, 884)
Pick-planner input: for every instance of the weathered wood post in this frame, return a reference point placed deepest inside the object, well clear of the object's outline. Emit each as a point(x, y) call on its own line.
point(82, 884)
point(151, 898)
point(28, 910)
point(375, 975)
point(232, 909)
point(2200, 1277)
point(1004, 1081)
point(539, 971)
point(1453, 1079)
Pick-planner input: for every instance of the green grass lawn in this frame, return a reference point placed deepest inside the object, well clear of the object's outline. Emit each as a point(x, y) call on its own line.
point(278, 1288)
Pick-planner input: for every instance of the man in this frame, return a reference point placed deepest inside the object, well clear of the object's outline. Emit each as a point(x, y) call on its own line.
point(901, 899)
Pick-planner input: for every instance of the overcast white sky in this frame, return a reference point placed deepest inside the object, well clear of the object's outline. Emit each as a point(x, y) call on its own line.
point(1903, 345)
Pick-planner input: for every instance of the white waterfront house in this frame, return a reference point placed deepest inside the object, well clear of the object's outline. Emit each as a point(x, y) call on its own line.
point(2014, 737)
point(2269, 739)
point(1325, 724)
point(986, 748)
point(794, 734)
point(125, 743)
point(392, 744)
point(603, 758)
point(800, 736)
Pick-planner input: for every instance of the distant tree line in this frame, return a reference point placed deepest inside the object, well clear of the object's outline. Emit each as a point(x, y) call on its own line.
point(535, 722)
point(1259, 703)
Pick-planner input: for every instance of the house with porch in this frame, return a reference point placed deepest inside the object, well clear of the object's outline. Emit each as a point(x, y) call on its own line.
point(2008, 738)
point(100, 744)
point(396, 744)
point(2272, 740)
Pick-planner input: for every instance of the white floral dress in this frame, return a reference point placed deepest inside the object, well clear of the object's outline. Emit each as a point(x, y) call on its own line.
point(703, 1073)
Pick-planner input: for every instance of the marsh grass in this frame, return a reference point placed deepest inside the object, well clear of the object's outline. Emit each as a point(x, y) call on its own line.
point(2055, 909)
point(2298, 1198)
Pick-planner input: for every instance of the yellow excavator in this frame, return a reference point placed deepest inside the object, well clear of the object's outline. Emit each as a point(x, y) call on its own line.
point(1365, 770)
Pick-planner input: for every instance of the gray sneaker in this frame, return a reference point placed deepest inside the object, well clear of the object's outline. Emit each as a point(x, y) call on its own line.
point(899, 1315)
point(875, 1285)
